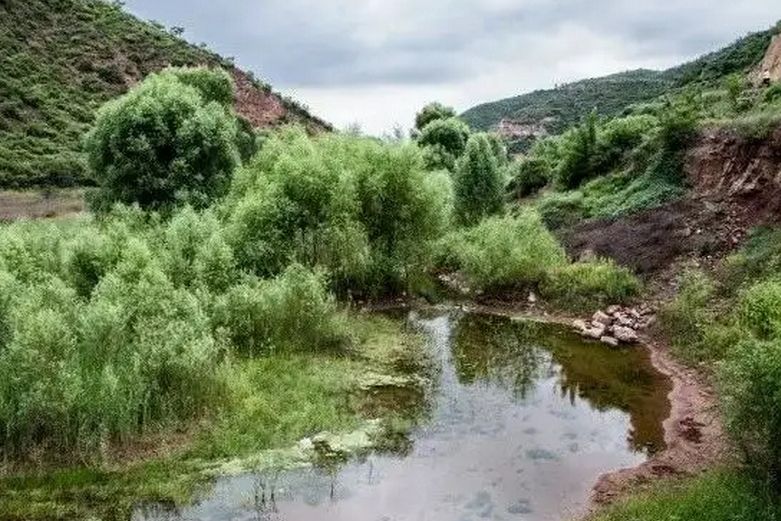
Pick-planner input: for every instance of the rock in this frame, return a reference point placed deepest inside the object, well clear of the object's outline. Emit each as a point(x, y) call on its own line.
point(609, 340)
point(634, 313)
point(306, 444)
point(612, 310)
point(532, 298)
point(596, 332)
point(602, 318)
point(625, 334)
point(625, 321)
point(580, 325)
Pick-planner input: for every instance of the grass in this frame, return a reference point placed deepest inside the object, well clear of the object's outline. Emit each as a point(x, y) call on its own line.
point(278, 400)
point(716, 496)
point(607, 197)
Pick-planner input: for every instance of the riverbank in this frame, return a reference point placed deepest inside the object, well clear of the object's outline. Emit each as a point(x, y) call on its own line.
point(282, 399)
point(693, 432)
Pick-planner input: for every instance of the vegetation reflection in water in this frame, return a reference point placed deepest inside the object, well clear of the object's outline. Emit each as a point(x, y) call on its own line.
point(521, 420)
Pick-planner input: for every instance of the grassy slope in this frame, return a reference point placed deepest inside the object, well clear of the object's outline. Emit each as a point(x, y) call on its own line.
point(611, 95)
point(59, 61)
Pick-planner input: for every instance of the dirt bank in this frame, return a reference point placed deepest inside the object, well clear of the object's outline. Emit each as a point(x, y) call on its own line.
point(693, 433)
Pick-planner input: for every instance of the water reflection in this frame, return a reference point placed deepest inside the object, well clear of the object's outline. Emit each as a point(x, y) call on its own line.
point(521, 421)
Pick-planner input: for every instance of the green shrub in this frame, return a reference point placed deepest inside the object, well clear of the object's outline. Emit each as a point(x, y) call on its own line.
point(759, 257)
point(212, 84)
point(162, 144)
point(590, 285)
point(527, 177)
point(578, 151)
point(687, 317)
point(364, 211)
point(750, 389)
point(619, 137)
point(448, 135)
point(760, 310)
point(432, 112)
point(293, 311)
point(479, 183)
point(499, 252)
point(562, 209)
point(773, 93)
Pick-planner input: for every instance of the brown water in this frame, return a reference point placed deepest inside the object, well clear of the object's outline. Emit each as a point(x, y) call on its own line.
point(521, 421)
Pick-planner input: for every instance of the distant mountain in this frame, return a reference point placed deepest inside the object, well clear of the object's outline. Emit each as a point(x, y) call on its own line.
point(528, 116)
point(62, 59)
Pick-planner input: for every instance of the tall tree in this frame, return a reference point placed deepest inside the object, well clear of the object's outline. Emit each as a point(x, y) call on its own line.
point(479, 186)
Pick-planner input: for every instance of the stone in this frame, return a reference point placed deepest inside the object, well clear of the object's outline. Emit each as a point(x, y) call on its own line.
point(596, 332)
point(625, 321)
point(602, 318)
point(580, 325)
point(625, 334)
point(634, 313)
point(609, 340)
point(612, 310)
point(532, 298)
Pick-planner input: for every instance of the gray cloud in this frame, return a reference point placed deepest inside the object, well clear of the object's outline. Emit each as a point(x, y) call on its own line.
point(460, 51)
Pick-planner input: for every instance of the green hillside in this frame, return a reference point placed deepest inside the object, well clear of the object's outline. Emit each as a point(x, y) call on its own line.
point(611, 95)
point(62, 59)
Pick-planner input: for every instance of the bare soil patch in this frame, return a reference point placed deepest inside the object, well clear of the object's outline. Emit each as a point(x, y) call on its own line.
point(36, 204)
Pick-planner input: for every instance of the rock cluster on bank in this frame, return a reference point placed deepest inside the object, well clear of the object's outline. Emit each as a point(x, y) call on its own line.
point(616, 325)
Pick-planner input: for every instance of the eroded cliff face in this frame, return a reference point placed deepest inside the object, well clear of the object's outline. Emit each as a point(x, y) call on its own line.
point(771, 64)
point(725, 166)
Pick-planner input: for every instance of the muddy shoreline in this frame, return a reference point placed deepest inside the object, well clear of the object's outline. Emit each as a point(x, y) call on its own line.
point(693, 432)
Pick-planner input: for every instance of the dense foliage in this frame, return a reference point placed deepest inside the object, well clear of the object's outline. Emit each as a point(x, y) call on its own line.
point(444, 140)
point(479, 181)
point(110, 329)
point(363, 211)
point(501, 252)
point(169, 141)
point(432, 112)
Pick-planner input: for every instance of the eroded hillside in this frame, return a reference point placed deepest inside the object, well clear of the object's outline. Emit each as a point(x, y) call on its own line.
point(62, 59)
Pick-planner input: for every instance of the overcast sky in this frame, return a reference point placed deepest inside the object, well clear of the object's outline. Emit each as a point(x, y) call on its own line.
point(375, 62)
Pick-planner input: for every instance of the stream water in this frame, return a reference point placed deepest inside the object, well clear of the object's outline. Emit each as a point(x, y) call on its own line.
point(521, 420)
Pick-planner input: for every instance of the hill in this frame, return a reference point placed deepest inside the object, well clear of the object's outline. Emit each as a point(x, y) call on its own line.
point(528, 116)
point(62, 59)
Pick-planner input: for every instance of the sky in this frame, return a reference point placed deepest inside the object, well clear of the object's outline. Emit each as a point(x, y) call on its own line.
point(376, 62)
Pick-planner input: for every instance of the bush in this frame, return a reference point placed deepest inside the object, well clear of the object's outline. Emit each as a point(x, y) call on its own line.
point(578, 151)
point(686, 318)
point(760, 310)
point(163, 144)
point(617, 138)
point(364, 211)
point(432, 112)
point(502, 252)
point(479, 182)
point(559, 210)
point(590, 285)
point(527, 177)
point(447, 136)
point(750, 388)
point(293, 311)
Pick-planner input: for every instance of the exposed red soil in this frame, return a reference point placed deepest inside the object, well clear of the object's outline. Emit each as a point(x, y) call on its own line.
point(735, 185)
point(693, 433)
